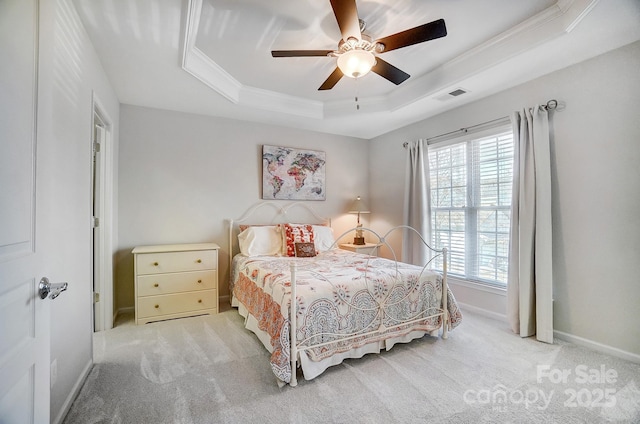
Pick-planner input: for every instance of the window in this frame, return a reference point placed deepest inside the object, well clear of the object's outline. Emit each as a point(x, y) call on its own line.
point(470, 205)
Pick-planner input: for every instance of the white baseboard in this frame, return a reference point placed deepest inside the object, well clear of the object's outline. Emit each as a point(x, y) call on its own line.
point(483, 312)
point(74, 393)
point(579, 341)
point(122, 311)
point(598, 347)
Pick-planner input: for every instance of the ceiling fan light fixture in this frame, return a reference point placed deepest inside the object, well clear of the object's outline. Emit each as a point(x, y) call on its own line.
point(356, 63)
point(357, 52)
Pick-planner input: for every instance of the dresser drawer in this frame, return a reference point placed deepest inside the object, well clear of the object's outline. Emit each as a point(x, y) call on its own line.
point(155, 284)
point(158, 263)
point(168, 304)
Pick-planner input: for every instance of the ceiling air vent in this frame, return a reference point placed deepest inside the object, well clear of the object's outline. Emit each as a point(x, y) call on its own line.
point(455, 93)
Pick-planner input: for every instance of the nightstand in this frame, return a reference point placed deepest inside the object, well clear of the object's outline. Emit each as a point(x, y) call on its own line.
point(174, 281)
point(365, 249)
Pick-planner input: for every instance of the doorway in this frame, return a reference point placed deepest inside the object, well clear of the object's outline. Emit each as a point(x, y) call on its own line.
point(101, 219)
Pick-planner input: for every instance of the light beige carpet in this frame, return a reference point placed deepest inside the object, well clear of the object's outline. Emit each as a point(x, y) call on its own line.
point(209, 369)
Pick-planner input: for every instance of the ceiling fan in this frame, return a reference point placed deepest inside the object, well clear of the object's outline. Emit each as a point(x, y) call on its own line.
point(357, 53)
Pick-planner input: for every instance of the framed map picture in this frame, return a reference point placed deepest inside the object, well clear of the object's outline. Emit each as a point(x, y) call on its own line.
point(292, 174)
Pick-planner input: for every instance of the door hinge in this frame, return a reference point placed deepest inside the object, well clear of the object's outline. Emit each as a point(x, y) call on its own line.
point(95, 222)
point(96, 297)
point(96, 147)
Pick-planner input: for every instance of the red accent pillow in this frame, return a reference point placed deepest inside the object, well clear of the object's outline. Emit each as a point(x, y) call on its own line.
point(296, 233)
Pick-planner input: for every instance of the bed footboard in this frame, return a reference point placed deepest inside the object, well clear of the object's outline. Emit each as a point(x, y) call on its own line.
point(297, 346)
point(293, 325)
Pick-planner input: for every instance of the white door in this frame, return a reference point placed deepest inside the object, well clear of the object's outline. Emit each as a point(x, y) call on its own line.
point(24, 317)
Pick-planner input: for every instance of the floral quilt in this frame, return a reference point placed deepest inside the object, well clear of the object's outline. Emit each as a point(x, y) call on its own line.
point(338, 293)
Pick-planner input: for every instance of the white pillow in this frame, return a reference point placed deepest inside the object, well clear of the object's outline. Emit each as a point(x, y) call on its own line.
point(260, 241)
point(323, 238)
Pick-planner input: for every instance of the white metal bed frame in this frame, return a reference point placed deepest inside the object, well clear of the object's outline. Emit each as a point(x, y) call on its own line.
point(302, 345)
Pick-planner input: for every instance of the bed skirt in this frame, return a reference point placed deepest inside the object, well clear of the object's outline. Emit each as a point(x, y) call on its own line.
point(311, 369)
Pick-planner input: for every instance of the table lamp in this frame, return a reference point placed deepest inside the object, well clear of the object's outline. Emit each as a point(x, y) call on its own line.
point(359, 206)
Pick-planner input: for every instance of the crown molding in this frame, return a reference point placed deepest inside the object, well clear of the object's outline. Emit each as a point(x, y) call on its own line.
point(543, 27)
point(555, 21)
point(278, 102)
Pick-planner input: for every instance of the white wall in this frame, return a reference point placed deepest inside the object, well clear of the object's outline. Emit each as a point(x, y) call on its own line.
point(182, 175)
point(596, 191)
point(69, 73)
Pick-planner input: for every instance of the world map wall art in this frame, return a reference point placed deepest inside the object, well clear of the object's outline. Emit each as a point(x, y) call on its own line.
point(292, 174)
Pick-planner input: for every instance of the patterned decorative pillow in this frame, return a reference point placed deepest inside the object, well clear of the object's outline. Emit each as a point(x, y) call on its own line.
point(296, 233)
point(305, 250)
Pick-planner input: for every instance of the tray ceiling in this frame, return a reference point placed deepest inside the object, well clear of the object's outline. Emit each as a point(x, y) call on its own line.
point(213, 57)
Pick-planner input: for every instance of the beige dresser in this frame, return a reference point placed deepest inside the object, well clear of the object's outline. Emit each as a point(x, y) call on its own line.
point(175, 280)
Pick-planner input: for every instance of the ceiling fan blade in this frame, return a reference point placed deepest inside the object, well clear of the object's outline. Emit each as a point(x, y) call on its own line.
point(390, 72)
point(347, 16)
point(419, 34)
point(299, 53)
point(332, 80)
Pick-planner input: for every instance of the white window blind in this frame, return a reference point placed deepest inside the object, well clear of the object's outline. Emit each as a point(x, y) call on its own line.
point(470, 205)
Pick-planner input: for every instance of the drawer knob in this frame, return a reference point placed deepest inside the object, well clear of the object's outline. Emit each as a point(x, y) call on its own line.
point(199, 261)
point(199, 281)
point(155, 264)
point(156, 285)
point(157, 306)
point(199, 300)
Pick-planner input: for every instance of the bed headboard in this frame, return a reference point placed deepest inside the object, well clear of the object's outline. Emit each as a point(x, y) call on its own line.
point(271, 213)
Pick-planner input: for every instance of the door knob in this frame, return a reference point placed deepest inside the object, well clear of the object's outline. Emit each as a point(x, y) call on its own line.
point(45, 288)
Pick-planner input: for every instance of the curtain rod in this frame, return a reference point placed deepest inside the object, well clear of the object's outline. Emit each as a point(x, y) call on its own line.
point(550, 105)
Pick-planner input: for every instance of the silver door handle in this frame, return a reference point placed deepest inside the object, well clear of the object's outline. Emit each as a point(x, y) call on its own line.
point(45, 288)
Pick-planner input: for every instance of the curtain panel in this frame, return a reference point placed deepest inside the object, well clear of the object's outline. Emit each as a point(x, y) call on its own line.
point(530, 278)
point(417, 207)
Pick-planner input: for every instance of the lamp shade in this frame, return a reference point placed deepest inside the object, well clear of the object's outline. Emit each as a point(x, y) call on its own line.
point(359, 206)
point(356, 63)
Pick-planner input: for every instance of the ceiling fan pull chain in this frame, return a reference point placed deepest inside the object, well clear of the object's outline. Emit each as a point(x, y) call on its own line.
point(356, 98)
